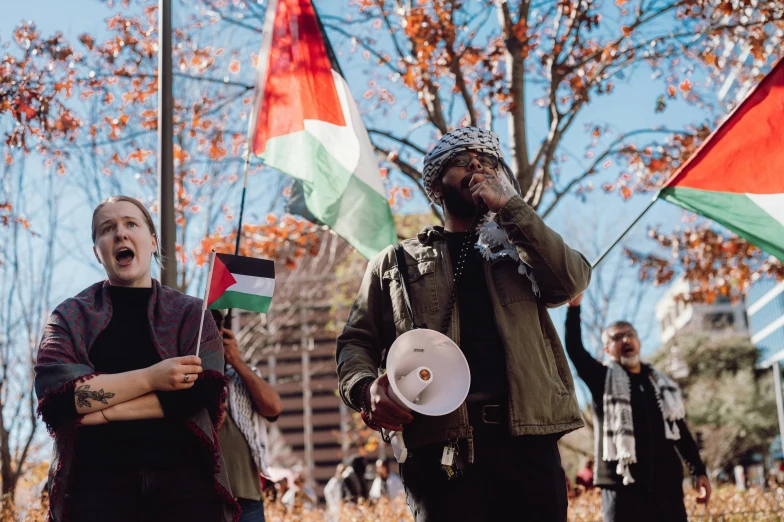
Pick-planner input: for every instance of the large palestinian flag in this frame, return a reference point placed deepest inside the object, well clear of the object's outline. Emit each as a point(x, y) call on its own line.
point(307, 125)
point(737, 177)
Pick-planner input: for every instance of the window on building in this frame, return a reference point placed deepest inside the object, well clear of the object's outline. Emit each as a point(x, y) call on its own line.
point(719, 321)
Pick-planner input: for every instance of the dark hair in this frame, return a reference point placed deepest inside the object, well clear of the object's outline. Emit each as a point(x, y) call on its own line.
point(145, 214)
point(616, 324)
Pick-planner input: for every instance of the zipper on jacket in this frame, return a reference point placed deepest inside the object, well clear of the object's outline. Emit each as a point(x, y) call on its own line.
point(450, 281)
point(470, 444)
point(487, 266)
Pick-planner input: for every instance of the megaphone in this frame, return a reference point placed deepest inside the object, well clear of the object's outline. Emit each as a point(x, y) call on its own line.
point(427, 374)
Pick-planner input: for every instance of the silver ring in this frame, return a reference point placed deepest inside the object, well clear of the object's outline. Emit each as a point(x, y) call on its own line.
point(187, 378)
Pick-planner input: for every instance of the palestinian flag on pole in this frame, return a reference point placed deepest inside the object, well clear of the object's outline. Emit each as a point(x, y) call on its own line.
point(305, 124)
point(737, 176)
point(240, 282)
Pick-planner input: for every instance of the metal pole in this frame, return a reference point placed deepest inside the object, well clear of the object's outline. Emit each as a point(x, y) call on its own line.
point(307, 409)
point(344, 418)
point(166, 147)
point(242, 202)
point(779, 398)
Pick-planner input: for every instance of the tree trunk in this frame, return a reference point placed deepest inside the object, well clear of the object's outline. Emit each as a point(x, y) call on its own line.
point(515, 74)
point(7, 472)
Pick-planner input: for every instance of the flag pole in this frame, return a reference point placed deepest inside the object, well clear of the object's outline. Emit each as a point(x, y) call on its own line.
point(242, 200)
point(261, 74)
point(204, 302)
point(242, 203)
point(618, 239)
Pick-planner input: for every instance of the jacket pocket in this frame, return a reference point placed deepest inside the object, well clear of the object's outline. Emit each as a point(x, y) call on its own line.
point(422, 289)
point(512, 286)
point(556, 370)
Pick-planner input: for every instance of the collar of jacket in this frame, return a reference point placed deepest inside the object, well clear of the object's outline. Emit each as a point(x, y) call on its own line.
point(431, 233)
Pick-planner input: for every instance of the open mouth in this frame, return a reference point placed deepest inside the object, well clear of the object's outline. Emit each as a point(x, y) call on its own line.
point(124, 256)
point(627, 350)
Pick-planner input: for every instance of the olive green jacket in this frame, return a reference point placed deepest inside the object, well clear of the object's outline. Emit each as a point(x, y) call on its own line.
point(541, 390)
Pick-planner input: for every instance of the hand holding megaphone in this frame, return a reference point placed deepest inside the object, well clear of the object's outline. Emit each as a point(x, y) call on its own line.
point(426, 373)
point(385, 412)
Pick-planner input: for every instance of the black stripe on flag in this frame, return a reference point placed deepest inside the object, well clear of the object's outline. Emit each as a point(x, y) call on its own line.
point(248, 266)
point(333, 59)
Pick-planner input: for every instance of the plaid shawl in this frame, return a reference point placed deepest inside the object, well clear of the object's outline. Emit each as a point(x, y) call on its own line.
point(63, 361)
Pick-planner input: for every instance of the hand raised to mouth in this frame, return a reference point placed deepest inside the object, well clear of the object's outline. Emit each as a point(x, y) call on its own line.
point(492, 189)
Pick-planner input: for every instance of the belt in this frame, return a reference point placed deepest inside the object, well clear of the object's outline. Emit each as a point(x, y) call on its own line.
point(486, 413)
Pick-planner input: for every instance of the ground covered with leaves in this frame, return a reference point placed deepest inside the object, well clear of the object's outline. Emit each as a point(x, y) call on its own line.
point(727, 505)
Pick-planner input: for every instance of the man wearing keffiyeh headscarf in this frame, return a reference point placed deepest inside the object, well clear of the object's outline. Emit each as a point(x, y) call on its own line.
point(485, 279)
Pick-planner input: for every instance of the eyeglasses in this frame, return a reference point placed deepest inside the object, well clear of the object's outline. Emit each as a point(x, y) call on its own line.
point(619, 337)
point(463, 159)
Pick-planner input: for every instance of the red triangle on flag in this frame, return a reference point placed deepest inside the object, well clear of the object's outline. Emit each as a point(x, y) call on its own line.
point(221, 280)
point(297, 75)
point(743, 155)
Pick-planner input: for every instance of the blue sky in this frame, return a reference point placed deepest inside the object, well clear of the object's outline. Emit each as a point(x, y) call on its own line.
point(583, 225)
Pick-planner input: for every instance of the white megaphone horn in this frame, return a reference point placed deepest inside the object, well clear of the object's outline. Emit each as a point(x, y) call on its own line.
point(427, 374)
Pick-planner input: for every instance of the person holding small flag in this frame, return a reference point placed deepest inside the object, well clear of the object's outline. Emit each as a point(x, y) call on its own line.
point(242, 433)
point(132, 408)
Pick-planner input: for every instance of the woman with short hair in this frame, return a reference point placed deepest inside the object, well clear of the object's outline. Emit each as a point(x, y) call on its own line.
point(131, 407)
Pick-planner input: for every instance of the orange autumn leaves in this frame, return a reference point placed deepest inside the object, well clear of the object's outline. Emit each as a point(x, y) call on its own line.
point(716, 263)
point(34, 75)
point(287, 239)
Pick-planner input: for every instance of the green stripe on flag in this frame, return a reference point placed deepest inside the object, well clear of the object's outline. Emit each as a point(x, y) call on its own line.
point(249, 302)
point(736, 212)
point(334, 195)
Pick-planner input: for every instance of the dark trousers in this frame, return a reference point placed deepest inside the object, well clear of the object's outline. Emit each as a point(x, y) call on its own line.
point(144, 495)
point(512, 479)
point(252, 510)
point(634, 503)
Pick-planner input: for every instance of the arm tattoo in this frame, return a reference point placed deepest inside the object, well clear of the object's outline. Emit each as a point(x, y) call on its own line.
point(83, 393)
point(497, 191)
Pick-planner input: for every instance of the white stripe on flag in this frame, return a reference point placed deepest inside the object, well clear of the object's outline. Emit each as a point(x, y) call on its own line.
point(773, 204)
point(253, 285)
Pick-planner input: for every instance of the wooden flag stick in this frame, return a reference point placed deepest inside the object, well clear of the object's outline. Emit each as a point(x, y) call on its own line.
point(204, 303)
point(618, 240)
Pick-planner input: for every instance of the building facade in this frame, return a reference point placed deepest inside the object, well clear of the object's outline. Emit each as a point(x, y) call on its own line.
point(675, 315)
point(765, 309)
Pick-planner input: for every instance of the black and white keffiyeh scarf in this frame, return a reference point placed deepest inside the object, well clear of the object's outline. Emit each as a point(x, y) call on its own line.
point(618, 442)
point(250, 423)
point(492, 242)
point(461, 140)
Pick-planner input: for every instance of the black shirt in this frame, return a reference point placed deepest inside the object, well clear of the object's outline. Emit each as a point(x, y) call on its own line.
point(126, 345)
point(479, 338)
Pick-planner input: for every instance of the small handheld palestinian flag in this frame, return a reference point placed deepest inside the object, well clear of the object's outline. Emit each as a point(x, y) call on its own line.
point(238, 282)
